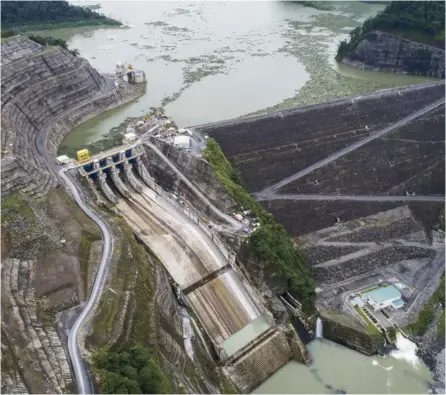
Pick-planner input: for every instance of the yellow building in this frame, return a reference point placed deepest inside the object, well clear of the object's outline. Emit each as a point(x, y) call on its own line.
point(83, 155)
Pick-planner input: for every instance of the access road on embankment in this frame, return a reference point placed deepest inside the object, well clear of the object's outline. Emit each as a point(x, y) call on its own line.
point(356, 198)
point(271, 190)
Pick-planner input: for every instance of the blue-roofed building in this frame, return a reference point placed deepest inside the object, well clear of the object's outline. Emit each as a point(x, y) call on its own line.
point(382, 297)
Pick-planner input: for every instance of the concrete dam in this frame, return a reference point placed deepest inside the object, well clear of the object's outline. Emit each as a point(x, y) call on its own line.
point(243, 333)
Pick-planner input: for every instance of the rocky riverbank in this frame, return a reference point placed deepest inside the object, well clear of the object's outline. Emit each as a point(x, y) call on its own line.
point(345, 330)
point(431, 349)
point(379, 51)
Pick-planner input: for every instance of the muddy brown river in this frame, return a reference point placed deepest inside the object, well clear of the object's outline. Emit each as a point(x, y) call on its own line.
point(211, 61)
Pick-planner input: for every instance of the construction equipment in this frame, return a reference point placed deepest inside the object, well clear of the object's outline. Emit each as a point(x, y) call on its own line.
point(83, 155)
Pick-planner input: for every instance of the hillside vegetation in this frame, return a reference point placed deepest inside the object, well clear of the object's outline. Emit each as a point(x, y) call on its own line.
point(420, 21)
point(24, 15)
point(270, 244)
point(130, 371)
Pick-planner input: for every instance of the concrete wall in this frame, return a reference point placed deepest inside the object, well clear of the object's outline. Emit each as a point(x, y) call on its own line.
point(380, 51)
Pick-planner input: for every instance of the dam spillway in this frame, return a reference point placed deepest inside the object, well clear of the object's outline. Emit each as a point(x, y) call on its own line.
point(242, 331)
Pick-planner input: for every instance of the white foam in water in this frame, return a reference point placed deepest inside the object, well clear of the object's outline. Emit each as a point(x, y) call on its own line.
point(376, 363)
point(405, 350)
point(319, 328)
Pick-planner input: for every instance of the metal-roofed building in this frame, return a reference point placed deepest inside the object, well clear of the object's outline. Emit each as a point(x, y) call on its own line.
point(382, 297)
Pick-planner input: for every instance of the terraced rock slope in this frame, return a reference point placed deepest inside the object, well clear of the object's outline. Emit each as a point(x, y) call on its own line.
point(42, 88)
point(51, 250)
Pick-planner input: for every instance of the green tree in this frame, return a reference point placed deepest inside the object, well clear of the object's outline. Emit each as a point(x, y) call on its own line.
point(18, 13)
point(114, 383)
point(416, 20)
point(131, 370)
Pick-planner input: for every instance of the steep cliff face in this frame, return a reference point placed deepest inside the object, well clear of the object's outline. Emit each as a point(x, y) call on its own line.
point(45, 260)
point(379, 51)
point(46, 89)
point(344, 330)
point(195, 169)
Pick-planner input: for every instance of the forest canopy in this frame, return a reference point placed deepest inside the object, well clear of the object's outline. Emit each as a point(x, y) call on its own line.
point(133, 370)
point(421, 21)
point(20, 13)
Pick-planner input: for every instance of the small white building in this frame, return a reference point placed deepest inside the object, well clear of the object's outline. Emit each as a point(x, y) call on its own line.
point(63, 160)
point(128, 138)
point(181, 142)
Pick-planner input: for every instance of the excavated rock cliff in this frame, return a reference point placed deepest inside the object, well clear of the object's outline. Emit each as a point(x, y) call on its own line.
point(195, 169)
point(379, 51)
point(344, 330)
point(46, 89)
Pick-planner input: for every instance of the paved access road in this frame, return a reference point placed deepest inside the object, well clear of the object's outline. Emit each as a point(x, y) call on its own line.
point(271, 190)
point(353, 198)
point(80, 372)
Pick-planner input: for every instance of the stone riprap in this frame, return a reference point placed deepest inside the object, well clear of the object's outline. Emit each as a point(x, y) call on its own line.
point(269, 148)
point(379, 51)
point(410, 158)
point(351, 249)
point(367, 263)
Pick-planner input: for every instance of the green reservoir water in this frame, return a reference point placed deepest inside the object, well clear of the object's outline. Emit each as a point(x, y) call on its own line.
point(336, 368)
point(209, 61)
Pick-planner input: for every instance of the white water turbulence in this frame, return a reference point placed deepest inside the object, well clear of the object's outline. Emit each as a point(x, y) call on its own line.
point(319, 328)
point(406, 350)
point(187, 333)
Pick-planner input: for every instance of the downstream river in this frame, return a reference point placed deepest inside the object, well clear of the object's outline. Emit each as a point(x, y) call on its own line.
point(211, 61)
point(216, 60)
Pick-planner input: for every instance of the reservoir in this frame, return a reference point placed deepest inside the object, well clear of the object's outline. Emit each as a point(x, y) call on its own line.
point(211, 61)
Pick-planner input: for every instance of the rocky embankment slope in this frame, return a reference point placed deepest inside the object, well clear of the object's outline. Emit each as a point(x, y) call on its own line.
point(51, 250)
point(270, 148)
point(379, 51)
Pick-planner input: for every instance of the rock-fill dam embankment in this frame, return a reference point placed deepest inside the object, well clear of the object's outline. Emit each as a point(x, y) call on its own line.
point(271, 148)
